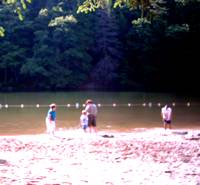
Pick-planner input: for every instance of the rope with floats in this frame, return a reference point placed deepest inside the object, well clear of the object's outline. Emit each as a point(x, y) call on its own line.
point(78, 105)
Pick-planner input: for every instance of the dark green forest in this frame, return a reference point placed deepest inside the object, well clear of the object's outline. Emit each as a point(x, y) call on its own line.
point(55, 47)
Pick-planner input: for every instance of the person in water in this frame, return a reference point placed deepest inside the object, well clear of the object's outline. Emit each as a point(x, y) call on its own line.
point(91, 110)
point(51, 119)
point(166, 114)
point(84, 120)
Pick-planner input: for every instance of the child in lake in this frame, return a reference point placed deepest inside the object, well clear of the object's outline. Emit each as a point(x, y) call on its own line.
point(84, 120)
point(51, 119)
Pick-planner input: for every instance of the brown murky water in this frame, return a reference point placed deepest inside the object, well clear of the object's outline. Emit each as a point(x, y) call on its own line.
point(24, 113)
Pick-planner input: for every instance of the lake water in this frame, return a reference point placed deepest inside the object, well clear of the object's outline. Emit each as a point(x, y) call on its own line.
point(24, 113)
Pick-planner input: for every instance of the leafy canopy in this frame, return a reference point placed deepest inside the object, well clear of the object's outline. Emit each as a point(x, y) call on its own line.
point(18, 6)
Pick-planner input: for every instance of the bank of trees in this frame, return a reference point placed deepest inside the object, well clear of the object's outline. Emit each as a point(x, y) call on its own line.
point(129, 48)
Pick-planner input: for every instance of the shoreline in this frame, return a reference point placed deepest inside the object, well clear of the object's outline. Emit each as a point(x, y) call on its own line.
point(110, 130)
point(146, 156)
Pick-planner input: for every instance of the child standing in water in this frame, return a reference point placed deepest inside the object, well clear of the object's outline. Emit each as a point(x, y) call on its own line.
point(51, 119)
point(84, 120)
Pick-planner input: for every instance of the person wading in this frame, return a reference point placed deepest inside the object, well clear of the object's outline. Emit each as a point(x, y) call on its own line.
point(91, 110)
point(166, 114)
point(51, 119)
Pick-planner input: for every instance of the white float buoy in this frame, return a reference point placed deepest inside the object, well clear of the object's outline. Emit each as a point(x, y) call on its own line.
point(150, 104)
point(77, 105)
point(37, 105)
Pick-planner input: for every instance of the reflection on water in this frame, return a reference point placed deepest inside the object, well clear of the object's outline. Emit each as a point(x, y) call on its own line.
point(121, 111)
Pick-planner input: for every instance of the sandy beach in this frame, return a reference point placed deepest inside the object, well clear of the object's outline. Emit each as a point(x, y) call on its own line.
point(140, 157)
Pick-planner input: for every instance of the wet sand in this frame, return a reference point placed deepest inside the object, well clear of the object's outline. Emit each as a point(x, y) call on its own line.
point(144, 156)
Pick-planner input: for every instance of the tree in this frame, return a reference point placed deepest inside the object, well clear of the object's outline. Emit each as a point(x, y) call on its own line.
point(148, 8)
point(108, 50)
point(57, 49)
point(18, 6)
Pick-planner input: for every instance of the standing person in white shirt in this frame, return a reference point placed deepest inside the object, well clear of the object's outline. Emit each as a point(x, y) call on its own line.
point(166, 114)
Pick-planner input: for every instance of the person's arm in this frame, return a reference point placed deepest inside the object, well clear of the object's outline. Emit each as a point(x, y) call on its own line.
point(161, 114)
point(49, 115)
point(86, 108)
point(96, 111)
point(171, 114)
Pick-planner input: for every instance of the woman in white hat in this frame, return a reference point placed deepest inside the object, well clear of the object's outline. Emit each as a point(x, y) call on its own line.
point(51, 119)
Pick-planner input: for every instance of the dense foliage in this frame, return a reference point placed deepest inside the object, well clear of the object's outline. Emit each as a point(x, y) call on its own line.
point(145, 45)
